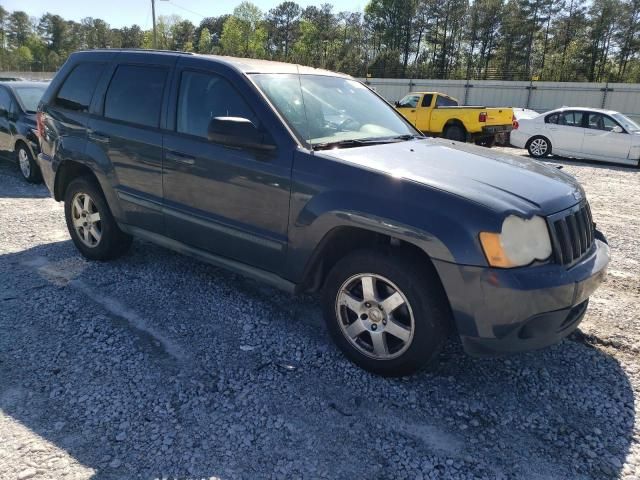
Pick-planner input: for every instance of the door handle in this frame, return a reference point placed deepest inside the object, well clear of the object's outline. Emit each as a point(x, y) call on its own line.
point(590, 134)
point(98, 137)
point(180, 158)
point(413, 111)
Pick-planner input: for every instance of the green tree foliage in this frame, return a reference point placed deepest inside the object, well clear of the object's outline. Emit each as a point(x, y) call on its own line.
point(556, 40)
point(243, 33)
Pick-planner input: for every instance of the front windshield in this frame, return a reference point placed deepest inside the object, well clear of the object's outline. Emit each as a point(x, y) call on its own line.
point(323, 109)
point(628, 124)
point(30, 96)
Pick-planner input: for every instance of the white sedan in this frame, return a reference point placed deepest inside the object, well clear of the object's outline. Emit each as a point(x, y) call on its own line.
point(587, 133)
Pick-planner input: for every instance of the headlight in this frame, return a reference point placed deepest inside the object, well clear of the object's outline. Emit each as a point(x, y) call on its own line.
point(519, 243)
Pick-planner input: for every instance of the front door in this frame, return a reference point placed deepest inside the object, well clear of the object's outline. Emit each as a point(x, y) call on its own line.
point(408, 107)
point(601, 142)
point(129, 135)
point(423, 113)
point(231, 201)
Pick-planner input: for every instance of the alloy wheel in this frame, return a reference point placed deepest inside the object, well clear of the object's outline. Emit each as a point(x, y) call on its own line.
point(86, 219)
point(539, 147)
point(375, 316)
point(24, 162)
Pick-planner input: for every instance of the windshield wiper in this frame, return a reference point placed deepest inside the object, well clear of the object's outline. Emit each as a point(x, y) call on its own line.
point(359, 142)
point(346, 143)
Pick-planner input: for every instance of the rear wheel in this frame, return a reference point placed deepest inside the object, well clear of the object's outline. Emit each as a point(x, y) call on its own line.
point(28, 167)
point(455, 132)
point(539, 147)
point(91, 225)
point(385, 313)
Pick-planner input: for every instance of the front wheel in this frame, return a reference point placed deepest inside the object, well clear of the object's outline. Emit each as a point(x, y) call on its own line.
point(539, 147)
point(28, 167)
point(91, 225)
point(388, 315)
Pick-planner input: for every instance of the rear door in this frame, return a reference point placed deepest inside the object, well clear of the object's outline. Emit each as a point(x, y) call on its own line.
point(601, 142)
point(127, 134)
point(231, 201)
point(5, 122)
point(566, 132)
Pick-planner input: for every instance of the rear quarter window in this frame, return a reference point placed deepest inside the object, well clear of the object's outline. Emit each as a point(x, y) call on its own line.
point(135, 94)
point(77, 89)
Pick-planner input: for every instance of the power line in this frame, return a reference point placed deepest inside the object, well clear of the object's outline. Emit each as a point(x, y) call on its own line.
point(187, 9)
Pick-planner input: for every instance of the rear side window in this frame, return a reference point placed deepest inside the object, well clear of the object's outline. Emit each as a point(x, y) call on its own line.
point(5, 100)
point(77, 90)
point(204, 96)
point(135, 94)
point(426, 100)
point(445, 102)
point(553, 118)
point(571, 119)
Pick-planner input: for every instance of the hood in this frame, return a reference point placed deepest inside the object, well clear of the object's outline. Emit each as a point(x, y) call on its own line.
point(499, 181)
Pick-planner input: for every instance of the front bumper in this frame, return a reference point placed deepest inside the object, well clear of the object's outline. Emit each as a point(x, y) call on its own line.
point(48, 174)
point(513, 310)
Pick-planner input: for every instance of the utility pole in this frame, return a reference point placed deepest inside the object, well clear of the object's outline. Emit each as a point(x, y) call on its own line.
point(153, 14)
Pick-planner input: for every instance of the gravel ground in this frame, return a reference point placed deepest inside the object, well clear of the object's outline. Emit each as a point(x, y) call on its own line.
point(159, 366)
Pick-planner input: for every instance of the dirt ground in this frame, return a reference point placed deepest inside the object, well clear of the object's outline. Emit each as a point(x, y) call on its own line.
point(159, 366)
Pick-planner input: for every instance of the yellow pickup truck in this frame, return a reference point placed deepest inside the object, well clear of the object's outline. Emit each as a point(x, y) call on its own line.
point(440, 115)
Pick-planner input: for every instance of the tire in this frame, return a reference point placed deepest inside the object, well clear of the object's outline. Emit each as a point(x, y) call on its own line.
point(487, 142)
point(539, 147)
point(97, 237)
point(27, 165)
point(416, 298)
point(455, 132)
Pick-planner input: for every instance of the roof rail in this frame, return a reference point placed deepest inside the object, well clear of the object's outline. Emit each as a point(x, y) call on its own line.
point(156, 50)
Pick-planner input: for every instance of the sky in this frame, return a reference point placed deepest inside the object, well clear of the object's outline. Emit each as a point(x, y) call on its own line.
point(119, 13)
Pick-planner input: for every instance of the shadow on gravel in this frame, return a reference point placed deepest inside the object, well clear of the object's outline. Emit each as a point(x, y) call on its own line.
point(158, 365)
point(17, 187)
point(633, 169)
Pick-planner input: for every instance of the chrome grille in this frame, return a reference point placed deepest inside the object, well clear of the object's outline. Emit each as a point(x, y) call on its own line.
point(572, 233)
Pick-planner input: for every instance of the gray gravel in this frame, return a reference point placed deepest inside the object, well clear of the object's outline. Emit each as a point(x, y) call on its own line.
point(158, 366)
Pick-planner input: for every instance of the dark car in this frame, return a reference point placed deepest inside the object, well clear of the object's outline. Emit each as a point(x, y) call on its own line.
point(308, 180)
point(18, 140)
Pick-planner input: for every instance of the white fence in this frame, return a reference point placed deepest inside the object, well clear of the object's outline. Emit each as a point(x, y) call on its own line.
point(540, 96)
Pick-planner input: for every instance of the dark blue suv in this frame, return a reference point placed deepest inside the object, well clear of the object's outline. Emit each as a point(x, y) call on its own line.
point(308, 180)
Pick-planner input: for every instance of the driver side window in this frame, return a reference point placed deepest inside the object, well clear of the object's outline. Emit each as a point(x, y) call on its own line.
point(410, 101)
point(598, 121)
point(204, 96)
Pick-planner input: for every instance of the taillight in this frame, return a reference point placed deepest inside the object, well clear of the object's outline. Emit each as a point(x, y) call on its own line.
point(40, 124)
point(482, 117)
point(514, 122)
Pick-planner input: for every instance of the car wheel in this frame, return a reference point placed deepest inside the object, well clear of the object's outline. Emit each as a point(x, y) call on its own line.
point(455, 132)
point(91, 225)
point(539, 147)
point(28, 167)
point(386, 313)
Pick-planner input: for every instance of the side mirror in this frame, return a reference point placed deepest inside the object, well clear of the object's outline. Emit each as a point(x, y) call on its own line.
point(396, 103)
point(617, 129)
point(238, 132)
